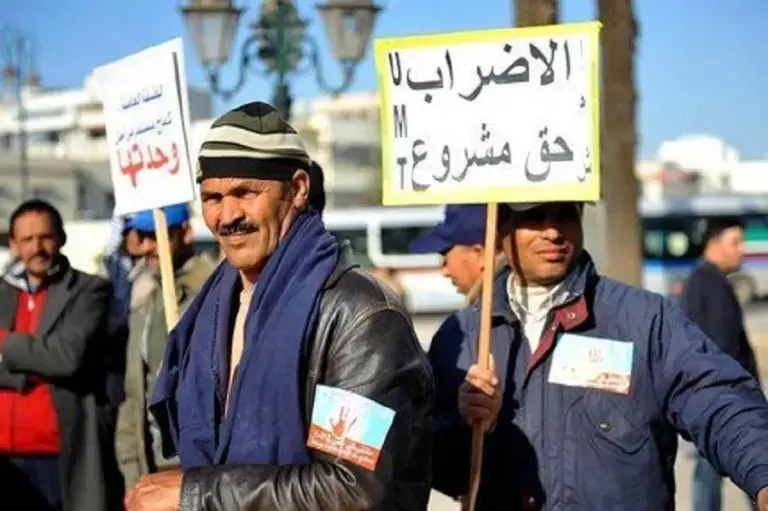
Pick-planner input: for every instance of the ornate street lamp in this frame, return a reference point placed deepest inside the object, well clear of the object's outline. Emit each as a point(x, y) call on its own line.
point(280, 42)
point(17, 59)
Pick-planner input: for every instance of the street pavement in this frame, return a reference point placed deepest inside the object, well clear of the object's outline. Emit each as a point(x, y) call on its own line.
point(733, 498)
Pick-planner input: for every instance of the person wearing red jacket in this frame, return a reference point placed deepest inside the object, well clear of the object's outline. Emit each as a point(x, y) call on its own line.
point(53, 320)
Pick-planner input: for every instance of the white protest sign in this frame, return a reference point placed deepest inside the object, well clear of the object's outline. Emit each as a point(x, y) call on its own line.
point(494, 116)
point(147, 120)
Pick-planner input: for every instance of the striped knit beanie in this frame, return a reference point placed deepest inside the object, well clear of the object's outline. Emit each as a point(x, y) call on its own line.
point(252, 141)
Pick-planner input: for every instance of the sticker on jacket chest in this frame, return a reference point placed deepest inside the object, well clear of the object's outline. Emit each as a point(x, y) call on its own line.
point(590, 362)
point(348, 426)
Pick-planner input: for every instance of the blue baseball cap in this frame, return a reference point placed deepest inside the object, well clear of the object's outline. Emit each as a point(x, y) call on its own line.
point(463, 225)
point(176, 216)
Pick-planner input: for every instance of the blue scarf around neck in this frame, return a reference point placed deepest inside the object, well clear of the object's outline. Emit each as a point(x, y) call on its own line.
point(264, 423)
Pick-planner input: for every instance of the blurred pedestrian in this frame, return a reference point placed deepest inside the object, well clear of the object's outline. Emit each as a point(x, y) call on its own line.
point(137, 442)
point(710, 301)
point(121, 265)
point(460, 240)
point(53, 328)
point(589, 385)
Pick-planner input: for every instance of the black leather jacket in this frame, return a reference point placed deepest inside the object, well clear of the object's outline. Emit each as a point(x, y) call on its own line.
point(364, 343)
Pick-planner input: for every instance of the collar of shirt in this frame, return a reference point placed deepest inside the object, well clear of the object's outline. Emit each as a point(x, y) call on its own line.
point(535, 302)
point(18, 278)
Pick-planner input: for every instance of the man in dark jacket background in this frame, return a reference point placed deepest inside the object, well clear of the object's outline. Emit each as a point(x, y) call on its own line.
point(710, 301)
point(460, 240)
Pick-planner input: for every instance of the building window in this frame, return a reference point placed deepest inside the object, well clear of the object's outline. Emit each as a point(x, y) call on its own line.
point(356, 155)
point(45, 193)
point(97, 133)
point(37, 138)
point(42, 114)
point(82, 196)
point(110, 201)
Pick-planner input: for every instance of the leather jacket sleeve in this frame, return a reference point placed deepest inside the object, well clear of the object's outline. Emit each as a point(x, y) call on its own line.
point(374, 354)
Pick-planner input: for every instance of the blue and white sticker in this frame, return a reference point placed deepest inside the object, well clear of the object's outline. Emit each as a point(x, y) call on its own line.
point(591, 362)
point(349, 426)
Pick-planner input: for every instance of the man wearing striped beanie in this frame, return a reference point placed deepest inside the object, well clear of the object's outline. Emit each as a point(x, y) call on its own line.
point(294, 380)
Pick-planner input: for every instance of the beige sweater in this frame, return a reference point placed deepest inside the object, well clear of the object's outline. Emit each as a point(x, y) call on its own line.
point(238, 335)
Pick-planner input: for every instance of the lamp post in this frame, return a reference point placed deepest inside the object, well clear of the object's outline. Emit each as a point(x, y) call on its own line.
point(18, 63)
point(279, 40)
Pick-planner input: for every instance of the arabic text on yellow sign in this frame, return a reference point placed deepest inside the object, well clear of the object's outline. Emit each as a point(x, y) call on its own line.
point(541, 192)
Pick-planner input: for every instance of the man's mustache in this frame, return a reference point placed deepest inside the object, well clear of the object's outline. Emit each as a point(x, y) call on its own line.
point(237, 228)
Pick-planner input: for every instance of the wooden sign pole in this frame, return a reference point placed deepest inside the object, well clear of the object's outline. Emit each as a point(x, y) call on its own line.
point(483, 345)
point(167, 278)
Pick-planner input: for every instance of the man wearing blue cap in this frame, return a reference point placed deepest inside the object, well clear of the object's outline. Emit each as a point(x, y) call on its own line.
point(121, 264)
point(460, 239)
point(179, 234)
point(137, 447)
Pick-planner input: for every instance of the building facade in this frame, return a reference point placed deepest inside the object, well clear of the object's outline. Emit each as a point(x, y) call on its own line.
point(345, 136)
point(700, 164)
point(342, 134)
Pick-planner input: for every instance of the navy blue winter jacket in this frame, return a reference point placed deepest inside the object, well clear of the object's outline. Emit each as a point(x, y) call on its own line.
point(565, 447)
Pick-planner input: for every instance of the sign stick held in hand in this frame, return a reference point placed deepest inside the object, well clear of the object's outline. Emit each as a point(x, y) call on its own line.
point(483, 344)
point(167, 280)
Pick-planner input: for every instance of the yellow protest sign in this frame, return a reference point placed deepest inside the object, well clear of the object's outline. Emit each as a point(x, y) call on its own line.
point(510, 115)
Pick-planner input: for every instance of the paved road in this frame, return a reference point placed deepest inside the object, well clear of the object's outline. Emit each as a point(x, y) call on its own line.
point(734, 500)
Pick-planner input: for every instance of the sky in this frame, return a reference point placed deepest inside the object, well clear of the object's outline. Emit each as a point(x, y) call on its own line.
point(700, 66)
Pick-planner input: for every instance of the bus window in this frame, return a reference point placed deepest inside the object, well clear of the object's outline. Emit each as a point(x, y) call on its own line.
point(395, 240)
point(358, 240)
point(756, 230)
point(653, 243)
point(678, 244)
point(671, 238)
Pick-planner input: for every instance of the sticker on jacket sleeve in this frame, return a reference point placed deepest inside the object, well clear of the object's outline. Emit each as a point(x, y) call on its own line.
point(349, 426)
point(591, 362)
